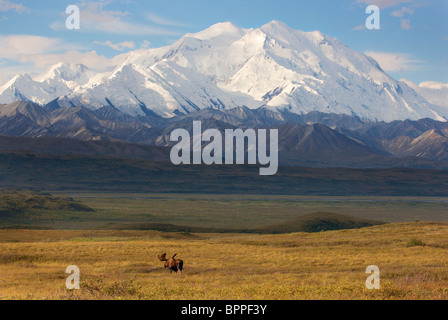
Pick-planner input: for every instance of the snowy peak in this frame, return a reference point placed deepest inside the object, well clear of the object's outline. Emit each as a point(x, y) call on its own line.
point(221, 30)
point(23, 87)
point(280, 31)
point(67, 72)
point(60, 80)
point(17, 80)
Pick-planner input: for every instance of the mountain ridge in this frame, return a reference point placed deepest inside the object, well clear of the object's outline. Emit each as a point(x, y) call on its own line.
point(315, 139)
point(224, 67)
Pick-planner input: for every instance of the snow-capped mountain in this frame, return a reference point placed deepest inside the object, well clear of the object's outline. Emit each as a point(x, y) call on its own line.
point(224, 67)
point(60, 80)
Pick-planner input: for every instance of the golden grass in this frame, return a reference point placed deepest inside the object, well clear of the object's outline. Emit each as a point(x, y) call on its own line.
point(327, 265)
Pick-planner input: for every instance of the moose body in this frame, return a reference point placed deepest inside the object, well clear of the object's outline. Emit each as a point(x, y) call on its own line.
point(172, 264)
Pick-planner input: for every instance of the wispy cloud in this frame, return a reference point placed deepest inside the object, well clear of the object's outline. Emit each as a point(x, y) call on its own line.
point(95, 17)
point(400, 13)
point(145, 44)
point(34, 54)
point(384, 3)
point(154, 18)
point(360, 27)
point(15, 47)
point(395, 62)
point(6, 5)
point(405, 24)
point(117, 46)
point(408, 8)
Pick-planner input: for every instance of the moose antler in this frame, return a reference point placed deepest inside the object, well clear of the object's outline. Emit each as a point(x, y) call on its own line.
point(162, 257)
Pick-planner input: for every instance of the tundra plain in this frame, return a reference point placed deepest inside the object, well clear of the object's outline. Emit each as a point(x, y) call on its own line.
point(123, 264)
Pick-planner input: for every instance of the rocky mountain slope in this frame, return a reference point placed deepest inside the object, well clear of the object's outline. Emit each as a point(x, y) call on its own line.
point(315, 139)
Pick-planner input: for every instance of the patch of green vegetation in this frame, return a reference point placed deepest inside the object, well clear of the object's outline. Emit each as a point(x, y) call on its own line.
point(23, 227)
point(217, 213)
point(164, 227)
point(310, 223)
point(318, 222)
point(414, 242)
point(17, 204)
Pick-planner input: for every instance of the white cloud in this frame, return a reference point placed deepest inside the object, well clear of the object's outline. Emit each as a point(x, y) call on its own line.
point(34, 54)
point(409, 9)
point(6, 5)
point(434, 92)
point(163, 21)
point(384, 3)
point(37, 64)
point(145, 44)
point(118, 46)
point(360, 27)
point(400, 13)
point(17, 47)
point(395, 62)
point(95, 18)
point(405, 24)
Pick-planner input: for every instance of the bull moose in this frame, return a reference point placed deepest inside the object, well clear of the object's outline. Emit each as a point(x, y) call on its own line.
point(172, 264)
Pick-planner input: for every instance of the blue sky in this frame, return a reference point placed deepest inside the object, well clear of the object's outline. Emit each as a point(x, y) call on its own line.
point(412, 42)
